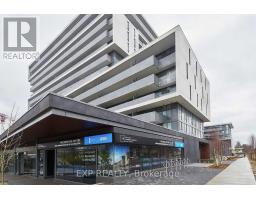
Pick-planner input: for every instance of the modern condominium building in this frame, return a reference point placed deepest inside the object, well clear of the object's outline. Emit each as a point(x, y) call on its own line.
point(117, 62)
point(109, 94)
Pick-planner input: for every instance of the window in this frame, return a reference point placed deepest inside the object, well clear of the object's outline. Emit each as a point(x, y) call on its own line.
point(187, 69)
point(72, 160)
point(165, 53)
point(205, 83)
point(166, 77)
point(142, 42)
point(29, 162)
point(121, 157)
point(196, 68)
point(190, 93)
point(128, 36)
point(189, 56)
point(166, 90)
point(202, 92)
point(134, 38)
point(197, 100)
point(195, 81)
point(201, 104)
point(115, 57)
point(201, 75)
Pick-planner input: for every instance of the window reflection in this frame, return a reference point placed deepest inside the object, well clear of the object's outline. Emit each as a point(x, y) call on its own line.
point(72, 160)
point(105, 157)
point(121, 157)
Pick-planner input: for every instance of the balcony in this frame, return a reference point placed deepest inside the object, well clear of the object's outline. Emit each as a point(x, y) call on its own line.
point(166, 62)
point(152, 117)
point(142, 86)
point(133, 102)
point(116, 79)
point(168, 79)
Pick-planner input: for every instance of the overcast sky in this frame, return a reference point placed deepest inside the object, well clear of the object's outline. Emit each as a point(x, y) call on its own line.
point(225, 46)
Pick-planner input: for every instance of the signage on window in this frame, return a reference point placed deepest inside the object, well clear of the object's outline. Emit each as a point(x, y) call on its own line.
point(98, 139)
point(179, 144)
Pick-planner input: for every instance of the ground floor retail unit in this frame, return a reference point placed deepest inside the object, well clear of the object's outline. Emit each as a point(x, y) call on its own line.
point(67, 139)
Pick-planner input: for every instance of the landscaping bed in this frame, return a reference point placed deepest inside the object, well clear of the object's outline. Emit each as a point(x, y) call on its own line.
point(220, 166)
point(253, 164)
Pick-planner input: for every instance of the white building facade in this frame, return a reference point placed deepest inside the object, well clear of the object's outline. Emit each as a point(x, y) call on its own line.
point(119, 63)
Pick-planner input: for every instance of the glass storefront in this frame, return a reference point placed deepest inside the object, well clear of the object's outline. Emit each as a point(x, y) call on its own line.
point(25, 162)
point(121, 157)
point(84, 162)
point(30, 163)
point(141, 157)
point(41, 163)
point(106, 157)
point(71, 161)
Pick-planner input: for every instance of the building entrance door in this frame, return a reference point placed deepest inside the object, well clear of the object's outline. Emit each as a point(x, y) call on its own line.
point(50, 163)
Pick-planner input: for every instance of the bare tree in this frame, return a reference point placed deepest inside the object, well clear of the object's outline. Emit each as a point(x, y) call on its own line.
point(7, 145)
point(217, 148)
point(252, 141)
point(252, 147)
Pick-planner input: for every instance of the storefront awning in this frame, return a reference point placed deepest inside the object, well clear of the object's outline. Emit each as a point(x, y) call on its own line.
point(60, 117)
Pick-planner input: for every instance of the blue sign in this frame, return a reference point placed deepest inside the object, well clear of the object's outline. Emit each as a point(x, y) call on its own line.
point(179, 144)
point(98, 139)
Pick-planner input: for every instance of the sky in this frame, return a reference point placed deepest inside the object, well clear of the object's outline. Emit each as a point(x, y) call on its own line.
point(225, 46)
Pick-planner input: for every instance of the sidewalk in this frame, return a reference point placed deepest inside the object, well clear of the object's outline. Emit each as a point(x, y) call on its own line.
point(238, 173)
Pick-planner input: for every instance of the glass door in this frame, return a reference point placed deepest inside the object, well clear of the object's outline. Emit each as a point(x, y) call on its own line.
point(41, 160)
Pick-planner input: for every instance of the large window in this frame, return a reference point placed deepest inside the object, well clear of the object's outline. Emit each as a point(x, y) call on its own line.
point(111, 157)
point(105, 157)
point(187, 70)
point(27, 162)
point(189, 56)
point(41, 163)
point(150, 157)
point(165, 91)
point(121, 157)
point(72, 160)
point(166, 77)
point(145, 158)
point(188, 123)
point(135, 158)
point(115, 58)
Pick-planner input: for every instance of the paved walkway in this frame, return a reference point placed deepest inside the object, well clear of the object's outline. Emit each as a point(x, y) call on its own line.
point(187, 176)
point(238, 173)
point(31, 180)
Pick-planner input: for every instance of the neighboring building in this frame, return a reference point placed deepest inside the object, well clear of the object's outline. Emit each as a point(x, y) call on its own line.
point(224, 133)
point(238, 151)
point(111, 75)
